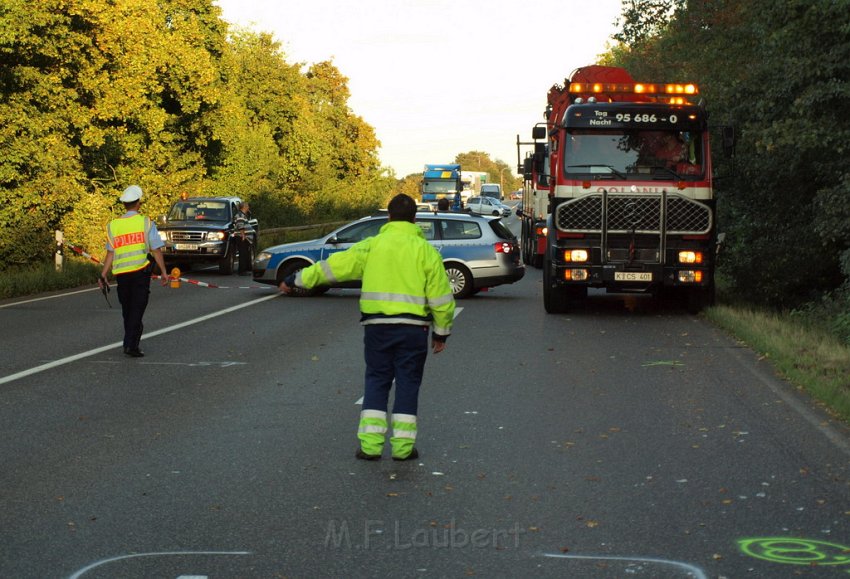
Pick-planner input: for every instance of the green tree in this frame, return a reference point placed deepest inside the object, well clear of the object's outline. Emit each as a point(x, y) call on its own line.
point(104, 95)
point(96, 95)
point(410, 185)
point(763, 67)
point(497, 171)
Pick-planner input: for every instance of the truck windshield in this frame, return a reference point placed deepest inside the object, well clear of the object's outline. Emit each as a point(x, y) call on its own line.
point(439, 186)
point(633, 154)
point(199, 211)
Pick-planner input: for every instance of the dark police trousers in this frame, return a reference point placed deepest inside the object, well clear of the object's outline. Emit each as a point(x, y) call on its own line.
point(134, 288)
point(394, 351)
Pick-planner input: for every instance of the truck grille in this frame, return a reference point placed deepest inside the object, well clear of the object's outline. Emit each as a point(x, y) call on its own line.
point(187, 236)
point(584, 215)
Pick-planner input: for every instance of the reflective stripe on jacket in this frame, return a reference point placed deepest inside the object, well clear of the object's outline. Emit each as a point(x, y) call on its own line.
point(128, 237)
point(403, 278)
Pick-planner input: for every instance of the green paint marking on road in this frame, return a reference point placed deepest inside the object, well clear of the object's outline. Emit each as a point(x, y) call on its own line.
point(796, 551)
point(671, 363)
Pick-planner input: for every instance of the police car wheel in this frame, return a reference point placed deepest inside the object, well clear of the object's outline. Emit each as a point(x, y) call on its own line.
point(460, 280)
point(294, 267)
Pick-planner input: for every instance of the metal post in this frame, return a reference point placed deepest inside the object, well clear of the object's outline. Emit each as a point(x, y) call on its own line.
point(60, 240)
point(663, 228)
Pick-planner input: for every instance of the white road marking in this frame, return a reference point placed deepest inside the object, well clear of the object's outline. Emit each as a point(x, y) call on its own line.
point(781, 390)
point(224, 364)
point(80, 356)
point(62, 295)
point(96, 564)
point(691, 570)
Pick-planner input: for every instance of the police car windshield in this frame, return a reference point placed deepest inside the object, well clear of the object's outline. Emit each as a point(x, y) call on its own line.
point(633, 154)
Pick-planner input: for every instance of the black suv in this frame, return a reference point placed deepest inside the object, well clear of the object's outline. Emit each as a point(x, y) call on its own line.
point(202, 230)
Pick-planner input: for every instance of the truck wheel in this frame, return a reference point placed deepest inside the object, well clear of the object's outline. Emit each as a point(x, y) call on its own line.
point(294, 267)
point(699, 298)
point(229, 262)
point(555, 299)
point(460, 280)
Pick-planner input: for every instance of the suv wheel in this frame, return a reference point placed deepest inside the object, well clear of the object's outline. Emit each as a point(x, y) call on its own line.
point(229, 263)
point(460, 280)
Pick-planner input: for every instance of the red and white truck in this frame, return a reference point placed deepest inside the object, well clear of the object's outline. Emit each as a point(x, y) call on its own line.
point(534, 169)
point(631, 200)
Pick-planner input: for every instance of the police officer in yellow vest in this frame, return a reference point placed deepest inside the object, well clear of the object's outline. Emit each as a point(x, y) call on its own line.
point(405, 292)
point(131, 238)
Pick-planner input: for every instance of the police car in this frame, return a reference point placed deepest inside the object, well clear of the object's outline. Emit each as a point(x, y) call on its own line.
point(478, 252)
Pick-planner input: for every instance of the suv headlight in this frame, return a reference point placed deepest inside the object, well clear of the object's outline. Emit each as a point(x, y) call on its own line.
point(163, 235)
point(215, 236)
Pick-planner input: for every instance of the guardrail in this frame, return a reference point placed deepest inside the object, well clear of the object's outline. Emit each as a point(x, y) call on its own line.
point(282, 234)
point(275, 230)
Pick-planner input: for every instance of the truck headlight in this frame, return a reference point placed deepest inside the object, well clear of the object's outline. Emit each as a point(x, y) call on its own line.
point(575, 255)
point(575, 274)
point(163, 235)
point(690, 276)
point(216, 236)
point(690, 257)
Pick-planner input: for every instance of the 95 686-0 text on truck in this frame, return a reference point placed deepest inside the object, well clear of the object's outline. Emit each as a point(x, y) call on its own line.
point(631, 199)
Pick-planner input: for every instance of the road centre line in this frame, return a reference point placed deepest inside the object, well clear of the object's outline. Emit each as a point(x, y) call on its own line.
point(82, 355)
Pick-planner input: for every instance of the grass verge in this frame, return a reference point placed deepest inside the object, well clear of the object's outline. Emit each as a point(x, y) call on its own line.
point(807, 356)
point(43, 277)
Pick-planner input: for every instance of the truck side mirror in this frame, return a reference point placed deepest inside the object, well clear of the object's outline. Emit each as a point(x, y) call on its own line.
point(730, 139)
point(538, 133)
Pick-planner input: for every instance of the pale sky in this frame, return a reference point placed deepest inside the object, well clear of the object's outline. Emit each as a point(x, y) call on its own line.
point(440, 77)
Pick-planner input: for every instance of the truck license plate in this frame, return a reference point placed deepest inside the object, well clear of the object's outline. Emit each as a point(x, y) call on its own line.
point(632, 276)
point(185, 246)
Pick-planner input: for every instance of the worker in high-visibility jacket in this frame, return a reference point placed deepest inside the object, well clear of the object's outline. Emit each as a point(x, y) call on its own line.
point(130, 239)
point(405, 293)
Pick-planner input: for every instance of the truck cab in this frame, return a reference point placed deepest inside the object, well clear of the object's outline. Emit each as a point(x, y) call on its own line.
point(632, 208)
point(493, 190)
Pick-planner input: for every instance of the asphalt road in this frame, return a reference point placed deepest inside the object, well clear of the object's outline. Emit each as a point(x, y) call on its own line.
point(616, 441)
